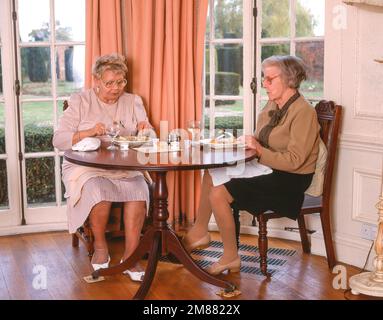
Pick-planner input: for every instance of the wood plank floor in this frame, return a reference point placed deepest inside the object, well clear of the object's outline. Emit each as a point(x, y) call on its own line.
point(21, 257)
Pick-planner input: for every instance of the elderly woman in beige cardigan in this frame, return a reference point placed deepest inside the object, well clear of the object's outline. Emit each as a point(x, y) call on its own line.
point(286, 140)
point(88, 115)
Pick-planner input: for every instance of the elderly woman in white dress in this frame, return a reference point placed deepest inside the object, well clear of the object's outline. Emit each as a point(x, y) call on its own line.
point(88, 115)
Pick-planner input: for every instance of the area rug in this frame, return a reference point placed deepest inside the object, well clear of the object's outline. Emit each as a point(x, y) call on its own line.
point(276, 257)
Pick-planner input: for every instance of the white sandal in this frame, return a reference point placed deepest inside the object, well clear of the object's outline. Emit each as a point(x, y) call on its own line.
point(134, 275)
point(97, 266)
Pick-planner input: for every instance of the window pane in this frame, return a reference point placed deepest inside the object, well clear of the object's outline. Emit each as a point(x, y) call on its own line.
point(36, 72)
point(312, 53)
point(228, 16)
point(40, 176)
point(70, 61)
point(70, 24)
point(2, 128)
point(310, 18)
point(229, 60)
point(275, 18)
point(3, 185)
point(34, 20)
point(38, 126)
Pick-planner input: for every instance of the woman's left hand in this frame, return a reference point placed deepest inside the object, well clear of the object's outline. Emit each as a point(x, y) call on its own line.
point(252, 143)
point(143, 125)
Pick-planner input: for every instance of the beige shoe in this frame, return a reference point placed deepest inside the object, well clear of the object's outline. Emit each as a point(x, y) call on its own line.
point(217, 268)
point(202, 243)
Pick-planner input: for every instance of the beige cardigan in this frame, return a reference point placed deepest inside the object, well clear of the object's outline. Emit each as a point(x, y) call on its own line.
point(294, 142)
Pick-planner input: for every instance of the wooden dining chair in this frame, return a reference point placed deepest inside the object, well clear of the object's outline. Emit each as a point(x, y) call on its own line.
point(115, 226)
point(329, 117)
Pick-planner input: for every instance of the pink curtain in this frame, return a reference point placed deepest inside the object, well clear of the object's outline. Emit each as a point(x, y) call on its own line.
point(165, 47)
point(103, 32)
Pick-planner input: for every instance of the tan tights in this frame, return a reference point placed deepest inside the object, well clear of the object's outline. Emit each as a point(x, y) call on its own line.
point(216, 200)
point(134, 216)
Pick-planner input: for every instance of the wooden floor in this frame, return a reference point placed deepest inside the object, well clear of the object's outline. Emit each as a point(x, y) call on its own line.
point(21, 257)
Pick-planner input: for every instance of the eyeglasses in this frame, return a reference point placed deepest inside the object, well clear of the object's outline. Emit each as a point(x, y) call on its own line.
point(269, 80)
point(111, 84)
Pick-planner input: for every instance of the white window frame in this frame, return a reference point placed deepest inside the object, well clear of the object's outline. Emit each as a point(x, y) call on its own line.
point(247, 43)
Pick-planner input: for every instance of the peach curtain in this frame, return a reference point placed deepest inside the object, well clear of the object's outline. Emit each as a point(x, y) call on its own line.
point(103, 32)
point(165, 49)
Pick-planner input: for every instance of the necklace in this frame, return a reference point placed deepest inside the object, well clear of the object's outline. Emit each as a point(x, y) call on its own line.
point(110, 110)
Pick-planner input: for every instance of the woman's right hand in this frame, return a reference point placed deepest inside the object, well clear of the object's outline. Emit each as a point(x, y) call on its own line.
point(97, 130)
point(251, 143)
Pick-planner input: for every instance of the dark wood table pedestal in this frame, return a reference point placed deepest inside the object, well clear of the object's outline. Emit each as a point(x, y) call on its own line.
point(160, 240)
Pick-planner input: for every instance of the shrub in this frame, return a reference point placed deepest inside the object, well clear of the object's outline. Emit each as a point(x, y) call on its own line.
point(38, 138)
point(39, 172)
point(233, 123)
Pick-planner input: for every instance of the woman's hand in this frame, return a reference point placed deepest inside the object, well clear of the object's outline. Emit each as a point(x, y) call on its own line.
point(252, 143)
point(143, 125)
point(97, 130)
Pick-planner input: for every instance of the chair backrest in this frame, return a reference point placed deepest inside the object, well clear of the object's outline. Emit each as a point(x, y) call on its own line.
point(65, 105)
point(329, 117)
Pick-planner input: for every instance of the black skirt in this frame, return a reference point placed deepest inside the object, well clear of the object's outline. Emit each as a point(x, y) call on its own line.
point(279, 191)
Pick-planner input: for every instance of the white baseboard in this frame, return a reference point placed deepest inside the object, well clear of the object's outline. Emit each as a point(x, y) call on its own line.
point(33, 228)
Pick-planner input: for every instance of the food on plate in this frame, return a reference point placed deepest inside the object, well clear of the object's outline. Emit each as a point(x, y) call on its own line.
point(132, 138)
point(218, 140)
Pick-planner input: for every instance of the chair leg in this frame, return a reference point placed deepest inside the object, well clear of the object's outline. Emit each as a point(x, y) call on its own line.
point(75, 241)
point(262, 243)
point(237, 225)
point(326, 228)
point(303, 232)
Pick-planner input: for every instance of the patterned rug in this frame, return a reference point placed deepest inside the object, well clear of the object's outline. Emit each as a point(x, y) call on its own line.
point(276, 257)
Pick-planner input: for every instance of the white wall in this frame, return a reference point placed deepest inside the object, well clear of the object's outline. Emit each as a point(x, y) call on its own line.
point(354, 80)
point(353, 39)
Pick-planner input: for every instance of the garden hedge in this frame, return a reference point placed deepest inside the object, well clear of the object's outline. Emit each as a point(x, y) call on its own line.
point(39, 172)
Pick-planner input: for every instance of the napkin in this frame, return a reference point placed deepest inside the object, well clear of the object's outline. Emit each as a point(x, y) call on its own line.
point(241, 170)
point(87, 144)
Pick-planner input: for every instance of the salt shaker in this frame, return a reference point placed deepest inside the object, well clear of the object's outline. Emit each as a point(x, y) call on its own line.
point(174, 141)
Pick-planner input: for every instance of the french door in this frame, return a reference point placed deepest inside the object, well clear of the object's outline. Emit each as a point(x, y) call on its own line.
point(42, 63)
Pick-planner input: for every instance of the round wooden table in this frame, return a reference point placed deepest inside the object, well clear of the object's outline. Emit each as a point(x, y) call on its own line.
point(160, 239)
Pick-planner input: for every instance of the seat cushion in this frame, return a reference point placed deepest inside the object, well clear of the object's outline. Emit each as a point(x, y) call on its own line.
point(310, 201)
point(316, 187)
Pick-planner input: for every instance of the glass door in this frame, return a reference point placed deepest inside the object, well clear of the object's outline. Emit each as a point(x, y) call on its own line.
point(228, 67)
point(49, 47)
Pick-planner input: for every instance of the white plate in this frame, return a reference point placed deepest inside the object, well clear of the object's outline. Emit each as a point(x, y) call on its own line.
point(133, 141)
point(217, 145)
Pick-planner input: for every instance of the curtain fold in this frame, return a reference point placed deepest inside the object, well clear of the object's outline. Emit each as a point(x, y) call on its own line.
point(164, 44)
point(103, 32)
